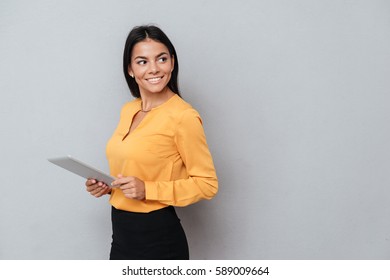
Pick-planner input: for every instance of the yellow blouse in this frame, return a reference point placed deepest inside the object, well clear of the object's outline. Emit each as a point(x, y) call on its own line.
point(168, 151)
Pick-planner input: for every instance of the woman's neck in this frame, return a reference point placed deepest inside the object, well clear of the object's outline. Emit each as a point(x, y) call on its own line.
point(151, 100)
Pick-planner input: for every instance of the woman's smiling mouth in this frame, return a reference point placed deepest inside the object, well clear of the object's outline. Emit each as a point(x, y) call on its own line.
point(154, 80)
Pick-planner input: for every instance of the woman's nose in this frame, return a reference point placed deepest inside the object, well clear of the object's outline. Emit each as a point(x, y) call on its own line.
point(153, 67)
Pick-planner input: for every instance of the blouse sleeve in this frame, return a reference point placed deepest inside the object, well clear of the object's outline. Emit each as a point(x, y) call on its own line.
point(202, 181)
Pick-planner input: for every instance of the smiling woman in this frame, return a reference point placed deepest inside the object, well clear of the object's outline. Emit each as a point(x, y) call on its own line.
point(151, 66)
point(158, 152)
point(145, 34)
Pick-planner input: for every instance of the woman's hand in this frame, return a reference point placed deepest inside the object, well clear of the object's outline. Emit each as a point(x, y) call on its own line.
point(132, 187)
point(97, 189)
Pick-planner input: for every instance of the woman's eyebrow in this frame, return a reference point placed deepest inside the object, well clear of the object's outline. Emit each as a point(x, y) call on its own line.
point(163, 53)
point(140, 57)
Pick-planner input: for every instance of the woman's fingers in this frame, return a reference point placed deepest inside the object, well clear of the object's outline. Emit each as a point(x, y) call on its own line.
point(96, 188)
point(90, 182)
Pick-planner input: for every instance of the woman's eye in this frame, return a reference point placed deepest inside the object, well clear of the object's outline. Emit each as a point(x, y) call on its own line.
point(162, 59)
point(141, 62)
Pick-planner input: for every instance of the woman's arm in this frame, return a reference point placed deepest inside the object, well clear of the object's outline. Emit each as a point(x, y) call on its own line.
point(202, 182)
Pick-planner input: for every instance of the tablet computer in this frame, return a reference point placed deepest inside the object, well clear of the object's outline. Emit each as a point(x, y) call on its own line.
point(82, 169)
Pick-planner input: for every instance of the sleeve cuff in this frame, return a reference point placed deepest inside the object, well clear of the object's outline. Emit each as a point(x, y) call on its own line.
point(151, 192)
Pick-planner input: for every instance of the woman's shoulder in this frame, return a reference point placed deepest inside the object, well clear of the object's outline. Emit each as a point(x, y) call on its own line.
point(183, 111)
point(180, 106)
point(132, 105)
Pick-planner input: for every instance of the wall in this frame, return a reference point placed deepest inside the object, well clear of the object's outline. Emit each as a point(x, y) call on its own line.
point(294, 97)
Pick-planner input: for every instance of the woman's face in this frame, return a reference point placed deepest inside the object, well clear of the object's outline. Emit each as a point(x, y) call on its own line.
point(151, 65)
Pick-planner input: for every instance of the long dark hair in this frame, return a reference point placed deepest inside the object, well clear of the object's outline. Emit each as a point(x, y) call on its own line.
point(138, 34)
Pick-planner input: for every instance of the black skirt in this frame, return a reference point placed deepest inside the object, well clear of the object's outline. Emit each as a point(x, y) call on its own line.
point(157, 235)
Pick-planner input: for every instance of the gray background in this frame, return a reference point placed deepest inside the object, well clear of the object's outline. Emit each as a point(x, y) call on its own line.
point(295, 101)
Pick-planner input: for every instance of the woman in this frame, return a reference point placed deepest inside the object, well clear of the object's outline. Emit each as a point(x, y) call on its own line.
point(158, 153)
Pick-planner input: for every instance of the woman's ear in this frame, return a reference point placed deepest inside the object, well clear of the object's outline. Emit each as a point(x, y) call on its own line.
point(129, 71)
point(173, 63)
